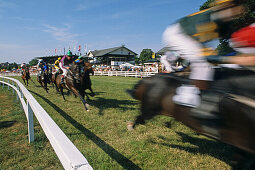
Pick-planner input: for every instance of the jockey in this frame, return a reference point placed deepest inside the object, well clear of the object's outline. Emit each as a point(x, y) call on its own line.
point(40, 66)
point(188, 37)
point(168, 59)
point(65, 64)
point(57, 65)
point(23, 67)
point(79, 60)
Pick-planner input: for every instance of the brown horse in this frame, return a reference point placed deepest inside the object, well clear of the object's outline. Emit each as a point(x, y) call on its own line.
point(25, 75)
point(43, 79)
point(230, 105)
point(76, 81)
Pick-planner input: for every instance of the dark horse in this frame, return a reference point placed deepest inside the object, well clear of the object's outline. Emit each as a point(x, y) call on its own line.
point(77, 81)
point(230, 105)
point(25, 75)
point(43, 79)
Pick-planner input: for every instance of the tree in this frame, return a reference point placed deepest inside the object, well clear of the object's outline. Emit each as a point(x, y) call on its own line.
point(33, 62)
point(137, 60)
point(145, 55)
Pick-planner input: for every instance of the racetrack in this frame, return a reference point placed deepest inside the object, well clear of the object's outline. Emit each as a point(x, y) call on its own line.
point(102, 136)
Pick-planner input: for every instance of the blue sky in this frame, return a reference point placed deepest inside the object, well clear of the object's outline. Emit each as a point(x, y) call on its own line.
point(32, 28)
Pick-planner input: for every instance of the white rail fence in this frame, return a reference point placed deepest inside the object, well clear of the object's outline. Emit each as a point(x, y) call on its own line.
point(125, 73)
point(68, 154)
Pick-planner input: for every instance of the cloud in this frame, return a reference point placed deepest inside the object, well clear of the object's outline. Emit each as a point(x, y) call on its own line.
point(61, 34)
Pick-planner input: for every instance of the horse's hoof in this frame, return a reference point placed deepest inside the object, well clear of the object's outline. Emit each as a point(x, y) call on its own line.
point(87, 110)
point(130, 125)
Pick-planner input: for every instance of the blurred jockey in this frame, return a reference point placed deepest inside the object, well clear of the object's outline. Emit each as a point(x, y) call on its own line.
point(168, 60)
point(243, 40)
point(65, 64)
point(40, 66)
point(57, 65)
point(188, 37)
point(45, 68)
point(23, 67)
point(79, 60)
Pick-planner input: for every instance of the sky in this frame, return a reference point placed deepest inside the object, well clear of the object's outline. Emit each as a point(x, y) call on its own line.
point(35, 28)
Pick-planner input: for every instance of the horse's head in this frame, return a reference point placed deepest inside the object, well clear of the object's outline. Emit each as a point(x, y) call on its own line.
point(75, 71)
point(88, 68)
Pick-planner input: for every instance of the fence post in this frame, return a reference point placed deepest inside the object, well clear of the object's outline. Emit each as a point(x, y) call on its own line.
point(17, 95)
point(3, 83)
point(8, 83)
point(13, 88)
point(30, 123)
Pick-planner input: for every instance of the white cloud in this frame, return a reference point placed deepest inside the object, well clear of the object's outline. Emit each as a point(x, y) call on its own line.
point(62, 34)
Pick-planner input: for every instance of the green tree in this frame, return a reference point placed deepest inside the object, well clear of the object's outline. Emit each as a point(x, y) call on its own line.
point(145, 55)
point(137, 60)
point(33, 62)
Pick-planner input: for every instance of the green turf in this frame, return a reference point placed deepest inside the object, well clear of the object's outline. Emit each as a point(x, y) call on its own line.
point(102, 136)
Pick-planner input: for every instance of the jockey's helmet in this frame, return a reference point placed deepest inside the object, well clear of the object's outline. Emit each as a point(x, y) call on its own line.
point(40, 60)
point(59, 58)
point(69, 53)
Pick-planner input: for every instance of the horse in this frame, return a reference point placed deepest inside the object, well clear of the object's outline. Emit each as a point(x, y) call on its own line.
point(25, 75)
point(77, 81)
point(43, 79)
point(86, 83)
point(229, 103)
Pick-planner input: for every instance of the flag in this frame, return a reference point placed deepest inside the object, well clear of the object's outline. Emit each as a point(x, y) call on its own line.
point(79, 49)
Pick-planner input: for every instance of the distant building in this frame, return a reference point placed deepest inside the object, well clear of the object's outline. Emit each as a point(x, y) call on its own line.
point(112, 56)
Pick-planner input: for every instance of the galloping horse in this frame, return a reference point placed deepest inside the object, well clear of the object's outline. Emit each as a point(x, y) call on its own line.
point(77, 81)
point(25, 75)
point(43, 79)
point(86, 83)
point(230, 105)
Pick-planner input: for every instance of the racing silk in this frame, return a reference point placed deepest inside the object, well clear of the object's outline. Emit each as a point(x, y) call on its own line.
point(57, 64)
point(45, 67)
point(202, 26)
point(40, 65)
point(23, 66)
point(64, 62)
point(244, 37)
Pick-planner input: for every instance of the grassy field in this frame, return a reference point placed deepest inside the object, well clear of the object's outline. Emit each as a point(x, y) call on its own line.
point(102, 136)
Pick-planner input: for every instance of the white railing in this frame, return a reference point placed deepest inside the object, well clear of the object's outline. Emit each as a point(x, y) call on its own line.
point(124, 73)
point(68, 154)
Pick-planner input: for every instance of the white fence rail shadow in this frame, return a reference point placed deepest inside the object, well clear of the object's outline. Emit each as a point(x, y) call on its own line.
point(125, 73)
point(68, 154)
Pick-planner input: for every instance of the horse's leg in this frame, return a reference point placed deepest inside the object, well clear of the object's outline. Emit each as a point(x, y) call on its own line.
point(82, 98)
point(24, 81)
point(27, 82)
point(147, 113)
point(92, 93)
point(61, 91)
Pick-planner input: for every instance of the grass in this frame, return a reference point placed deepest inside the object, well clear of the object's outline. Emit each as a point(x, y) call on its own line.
point(102, 136)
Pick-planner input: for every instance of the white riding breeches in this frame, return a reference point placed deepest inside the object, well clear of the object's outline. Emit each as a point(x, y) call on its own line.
point(189, 49)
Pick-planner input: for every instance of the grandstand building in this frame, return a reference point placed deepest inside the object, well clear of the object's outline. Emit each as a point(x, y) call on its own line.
point(112, 56)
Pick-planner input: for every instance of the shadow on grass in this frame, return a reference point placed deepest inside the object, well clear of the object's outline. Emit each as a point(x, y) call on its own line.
point(114, 154)
point(102, 104)
point(6, 124)
point(213, 148)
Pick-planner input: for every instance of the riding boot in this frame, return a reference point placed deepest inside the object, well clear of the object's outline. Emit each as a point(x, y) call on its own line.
point(187, 95)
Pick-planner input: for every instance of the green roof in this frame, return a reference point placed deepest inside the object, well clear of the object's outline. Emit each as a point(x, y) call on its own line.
point(98, 53)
